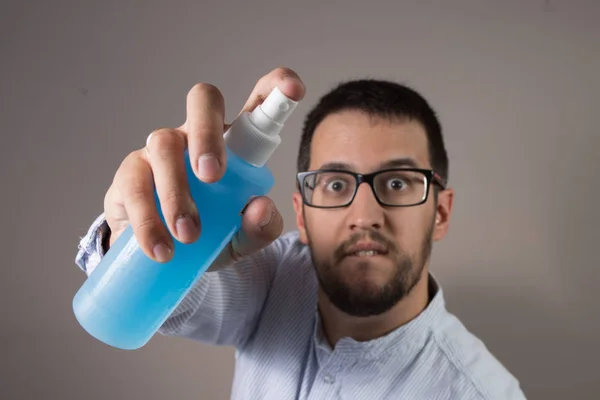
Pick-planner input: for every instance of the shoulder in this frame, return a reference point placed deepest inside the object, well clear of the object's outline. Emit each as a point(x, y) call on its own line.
point(288, 249)
point(472, 365)
point(286, 256)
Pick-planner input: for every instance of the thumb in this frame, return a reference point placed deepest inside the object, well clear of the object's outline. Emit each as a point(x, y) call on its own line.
point(261, 225)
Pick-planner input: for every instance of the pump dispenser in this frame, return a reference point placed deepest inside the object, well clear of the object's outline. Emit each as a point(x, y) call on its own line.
point(129, 296)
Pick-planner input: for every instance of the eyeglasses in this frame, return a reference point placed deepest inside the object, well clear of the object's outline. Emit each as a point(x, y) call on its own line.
point(398, 187)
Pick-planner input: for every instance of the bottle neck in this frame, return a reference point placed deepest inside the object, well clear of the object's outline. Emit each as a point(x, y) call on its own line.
point(245, 139)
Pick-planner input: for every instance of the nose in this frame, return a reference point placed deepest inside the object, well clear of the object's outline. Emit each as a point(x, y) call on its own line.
point(365, 213)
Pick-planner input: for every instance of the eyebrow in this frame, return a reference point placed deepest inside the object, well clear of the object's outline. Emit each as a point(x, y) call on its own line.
point(393, 163)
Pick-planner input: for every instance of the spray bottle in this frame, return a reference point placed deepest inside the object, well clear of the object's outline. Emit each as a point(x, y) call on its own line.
point(128, 296)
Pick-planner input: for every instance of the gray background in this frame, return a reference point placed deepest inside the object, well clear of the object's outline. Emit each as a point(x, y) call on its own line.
point(516, 86)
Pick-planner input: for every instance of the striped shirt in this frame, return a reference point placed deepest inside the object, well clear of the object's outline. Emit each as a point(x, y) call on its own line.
point(266, 307)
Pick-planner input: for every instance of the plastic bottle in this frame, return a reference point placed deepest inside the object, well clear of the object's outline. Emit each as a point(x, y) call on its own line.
point(128, 296)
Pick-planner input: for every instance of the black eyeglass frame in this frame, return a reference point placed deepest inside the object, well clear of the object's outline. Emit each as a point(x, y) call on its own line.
point(431, 176)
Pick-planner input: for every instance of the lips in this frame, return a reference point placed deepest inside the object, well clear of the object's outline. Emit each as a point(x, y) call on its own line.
point(366, 249)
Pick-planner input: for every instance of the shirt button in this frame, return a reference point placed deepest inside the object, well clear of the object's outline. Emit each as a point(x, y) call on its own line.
point(329, 379)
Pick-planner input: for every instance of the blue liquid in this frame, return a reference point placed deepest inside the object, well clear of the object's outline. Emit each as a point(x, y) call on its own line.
point(128, 296)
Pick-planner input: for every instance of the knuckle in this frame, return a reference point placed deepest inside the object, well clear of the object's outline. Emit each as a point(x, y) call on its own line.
point(136, 190)
point(162, 138)
point(125, 176)
point(173, 200)
point(207, 140)
point(147, 224)
point(127, 161)
point(162, 131)
point(109, 198)
point(207, 131)
point(136, 155)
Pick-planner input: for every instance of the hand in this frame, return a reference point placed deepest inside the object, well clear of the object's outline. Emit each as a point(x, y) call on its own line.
point(130, 198)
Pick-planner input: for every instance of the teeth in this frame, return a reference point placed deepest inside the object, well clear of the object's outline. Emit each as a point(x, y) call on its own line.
point(366, 253)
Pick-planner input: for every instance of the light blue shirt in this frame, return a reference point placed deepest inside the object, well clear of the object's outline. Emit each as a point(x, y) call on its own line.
point(266, 307)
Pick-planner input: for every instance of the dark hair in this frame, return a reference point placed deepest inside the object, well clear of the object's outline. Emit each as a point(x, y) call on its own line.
point(381, 99)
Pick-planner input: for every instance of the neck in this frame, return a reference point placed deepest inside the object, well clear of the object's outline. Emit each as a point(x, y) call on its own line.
point(337, 324)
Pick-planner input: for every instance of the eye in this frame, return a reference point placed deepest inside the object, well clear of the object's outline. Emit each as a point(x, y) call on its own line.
point(396, 184)
point(336, 185)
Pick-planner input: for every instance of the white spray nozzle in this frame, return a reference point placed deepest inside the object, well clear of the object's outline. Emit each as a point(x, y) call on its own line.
point(278, 106)
point(255, 136)
point(270, 116)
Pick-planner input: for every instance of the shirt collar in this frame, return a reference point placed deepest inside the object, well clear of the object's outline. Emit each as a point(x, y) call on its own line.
point(406, 339)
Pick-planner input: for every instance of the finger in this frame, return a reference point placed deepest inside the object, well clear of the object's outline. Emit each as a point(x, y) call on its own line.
point(285, 79)
point(261, 225)
point(134, 180)
point(204, 129)
point(166, 156)
point(116, 215)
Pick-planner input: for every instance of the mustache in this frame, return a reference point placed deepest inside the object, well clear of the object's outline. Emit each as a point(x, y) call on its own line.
point(373, 236)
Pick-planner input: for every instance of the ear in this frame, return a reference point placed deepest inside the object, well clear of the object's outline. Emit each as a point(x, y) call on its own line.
point(300, 223)
point(443, 213)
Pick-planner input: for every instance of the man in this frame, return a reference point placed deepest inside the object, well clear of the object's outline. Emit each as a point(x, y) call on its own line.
point(344, 307)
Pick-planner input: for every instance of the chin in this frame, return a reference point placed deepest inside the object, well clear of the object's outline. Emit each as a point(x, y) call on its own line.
point(362, 269)
point(367, 283)
point(365, 286)
point(363, 299)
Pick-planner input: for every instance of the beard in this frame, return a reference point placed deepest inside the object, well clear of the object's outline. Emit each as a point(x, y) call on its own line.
point(364, 299)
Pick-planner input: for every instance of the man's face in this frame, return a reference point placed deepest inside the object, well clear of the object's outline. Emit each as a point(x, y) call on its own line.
point(366, 284)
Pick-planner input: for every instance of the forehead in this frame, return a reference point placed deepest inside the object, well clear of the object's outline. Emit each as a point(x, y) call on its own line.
point(364, 142)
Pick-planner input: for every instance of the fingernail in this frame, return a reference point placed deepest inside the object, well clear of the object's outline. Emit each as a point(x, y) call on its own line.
point(162, 252)
point(186, 228)
point(268, 217)
point(208, 166)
